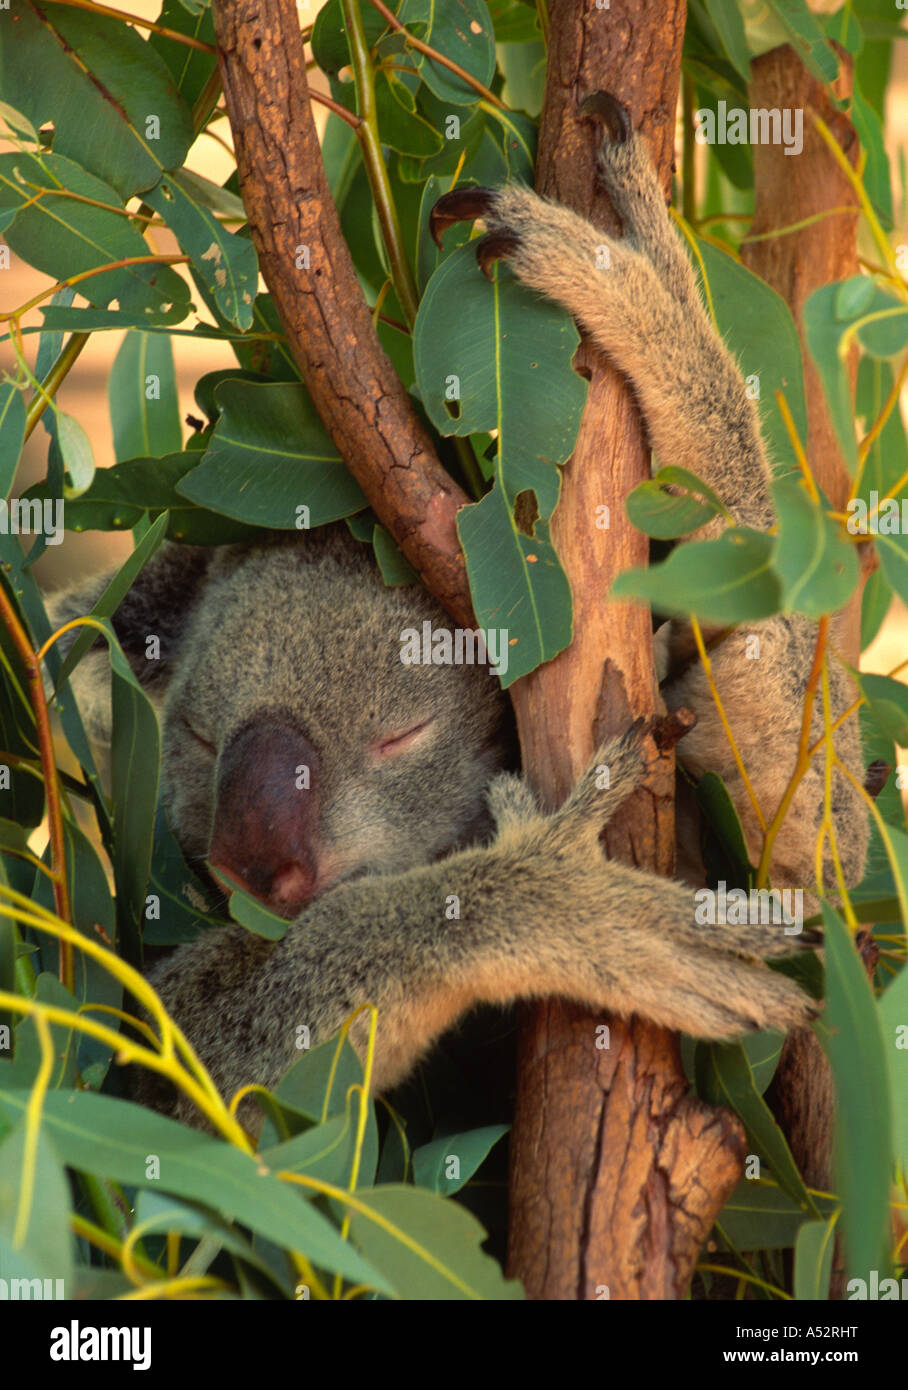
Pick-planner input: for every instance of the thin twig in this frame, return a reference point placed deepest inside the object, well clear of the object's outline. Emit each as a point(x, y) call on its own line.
point(125, 18)
point(51, 784)
point(804, 753)
point(374, 161)
point(391, 19)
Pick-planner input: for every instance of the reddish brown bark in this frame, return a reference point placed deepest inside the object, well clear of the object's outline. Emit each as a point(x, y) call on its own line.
point(328, 325)
point(796, 264)
point(616, 1177)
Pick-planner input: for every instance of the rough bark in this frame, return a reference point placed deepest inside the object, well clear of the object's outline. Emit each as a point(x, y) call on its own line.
point(796, 264)
point(616, 1176)
point(328, 325)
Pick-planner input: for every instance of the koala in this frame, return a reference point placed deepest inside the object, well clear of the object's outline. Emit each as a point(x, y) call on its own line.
point(375, 804)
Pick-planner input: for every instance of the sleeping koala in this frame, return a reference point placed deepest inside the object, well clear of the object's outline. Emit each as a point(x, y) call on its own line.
point(372, 802)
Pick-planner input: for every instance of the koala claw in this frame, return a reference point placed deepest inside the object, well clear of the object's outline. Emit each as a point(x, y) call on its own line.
point(610, 112)
point(496, 246)
point(460, 205)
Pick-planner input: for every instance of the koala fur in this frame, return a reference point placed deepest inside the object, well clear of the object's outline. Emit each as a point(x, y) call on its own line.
point(286, 654)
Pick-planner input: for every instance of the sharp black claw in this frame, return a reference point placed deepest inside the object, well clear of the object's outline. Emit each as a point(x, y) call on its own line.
point(460, 205)
point(494, 247)
point(612, 113)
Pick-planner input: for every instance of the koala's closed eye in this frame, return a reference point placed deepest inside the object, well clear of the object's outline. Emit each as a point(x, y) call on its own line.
point(393, 744)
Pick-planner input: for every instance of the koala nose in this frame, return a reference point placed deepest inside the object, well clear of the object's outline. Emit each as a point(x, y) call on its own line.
point(265, 814)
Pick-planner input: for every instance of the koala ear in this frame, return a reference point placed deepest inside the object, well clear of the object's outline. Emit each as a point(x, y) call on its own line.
point(149, 624)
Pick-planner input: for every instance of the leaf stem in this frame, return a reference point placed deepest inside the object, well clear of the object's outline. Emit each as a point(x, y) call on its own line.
point(804, 754)
point(155, 28)
point(54, 379)
point(412, 42)
point(373, 159)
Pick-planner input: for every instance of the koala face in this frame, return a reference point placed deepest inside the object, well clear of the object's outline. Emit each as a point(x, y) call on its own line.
point(298, 749)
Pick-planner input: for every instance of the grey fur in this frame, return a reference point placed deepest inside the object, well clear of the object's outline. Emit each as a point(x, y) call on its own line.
point(306, 631)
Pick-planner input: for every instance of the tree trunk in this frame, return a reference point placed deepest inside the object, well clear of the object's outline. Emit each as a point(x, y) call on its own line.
point(616, 1176)
point(796, 264)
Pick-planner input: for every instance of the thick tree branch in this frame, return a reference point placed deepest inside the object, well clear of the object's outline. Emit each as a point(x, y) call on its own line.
point(616, 1176)
point(308, 270)
point(796, 264)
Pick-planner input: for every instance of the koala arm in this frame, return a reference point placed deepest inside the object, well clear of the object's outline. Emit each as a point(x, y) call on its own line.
point(628, 942)
point(641, 305)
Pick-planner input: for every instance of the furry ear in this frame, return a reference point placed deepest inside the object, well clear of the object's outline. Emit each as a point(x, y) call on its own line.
point(149, 624)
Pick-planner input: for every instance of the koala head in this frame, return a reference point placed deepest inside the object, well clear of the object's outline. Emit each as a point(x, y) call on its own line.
point(298, 749)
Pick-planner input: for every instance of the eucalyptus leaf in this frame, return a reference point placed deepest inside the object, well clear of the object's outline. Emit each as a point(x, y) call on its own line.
point(857, 1054)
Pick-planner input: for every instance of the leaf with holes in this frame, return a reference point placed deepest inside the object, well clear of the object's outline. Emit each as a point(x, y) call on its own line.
point(493, 357)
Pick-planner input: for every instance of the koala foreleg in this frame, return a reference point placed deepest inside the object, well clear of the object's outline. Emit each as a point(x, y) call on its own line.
point(538, 912)
point(636, 296)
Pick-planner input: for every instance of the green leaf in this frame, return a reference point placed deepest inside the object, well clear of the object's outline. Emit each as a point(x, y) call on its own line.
point(523, 66)
point(78, 459)
point(816, 565)
point(122, 496)
point(514, 21)
point(807, 38)
point(875, 604)
point(112, 102)
point(35, 1240)
point(446, 1164)
point(728, 580)
point(665, 515)
point(254, 917)
point(329, 35)
point(269, 455)
point(143, 400)
point(887, 702)
point(93, 915)
point(394, 565)
point(482, 353)
point(327, 1151)
point(759, 1216)
point(12, 433)
point(876, 170)
point(857, 1054)
point(18, 126)
point(401, 127)
point(757, 326)
point(719, 814)
point(763, 1051)
point(23, 1067)
point(157, 1212)
point(426, 1247)
point(730, 27)
point(893, 553)
point(113, 1138)
point(461, 32)
point(518, 576)
point(724, 1077)
point(226, 263)
point(187, 905)
point(189, 68)
point(63, 237)
point(70, 320)
point(894, 1020)
point(813, 1260)
point(134, 752)
point(833, 316)
point(317, 1084)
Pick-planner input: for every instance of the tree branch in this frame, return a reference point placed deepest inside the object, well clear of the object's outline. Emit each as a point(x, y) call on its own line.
point(616, 1176)
point(308, 270)
point(821, 250)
